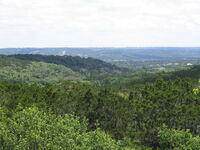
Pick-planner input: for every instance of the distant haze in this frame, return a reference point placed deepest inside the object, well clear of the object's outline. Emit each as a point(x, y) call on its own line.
point(99, 23)
point(116, 54)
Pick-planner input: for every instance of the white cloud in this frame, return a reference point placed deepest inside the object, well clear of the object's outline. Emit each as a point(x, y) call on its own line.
point(42, 23)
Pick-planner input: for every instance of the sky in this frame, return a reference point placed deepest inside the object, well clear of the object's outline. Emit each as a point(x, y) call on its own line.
point(99, 23)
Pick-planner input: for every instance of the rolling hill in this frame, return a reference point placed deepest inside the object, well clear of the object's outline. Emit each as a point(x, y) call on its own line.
point(89, 67)
point(51, 69)
point(132, 79)
point(12, 69)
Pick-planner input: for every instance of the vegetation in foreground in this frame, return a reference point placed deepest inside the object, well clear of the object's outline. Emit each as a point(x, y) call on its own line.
point(161, 114)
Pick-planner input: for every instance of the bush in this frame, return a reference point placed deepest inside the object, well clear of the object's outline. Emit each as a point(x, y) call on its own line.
point(178, 139)
point(31, 128)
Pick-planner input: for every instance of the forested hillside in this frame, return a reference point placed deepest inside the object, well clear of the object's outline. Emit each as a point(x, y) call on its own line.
point(27, 71)
point(141, 77)
point(86, 66)
point(41, 108)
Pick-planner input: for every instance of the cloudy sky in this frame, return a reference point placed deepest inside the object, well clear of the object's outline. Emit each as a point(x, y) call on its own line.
point(89, 23)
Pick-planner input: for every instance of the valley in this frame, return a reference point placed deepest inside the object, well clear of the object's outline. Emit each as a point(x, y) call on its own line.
point(115, 105)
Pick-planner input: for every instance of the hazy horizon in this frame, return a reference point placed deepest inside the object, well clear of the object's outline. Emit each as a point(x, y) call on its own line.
point(104, 47)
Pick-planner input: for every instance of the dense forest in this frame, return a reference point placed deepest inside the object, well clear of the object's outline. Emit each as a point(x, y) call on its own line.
point(89, 67)
point(28, 71)
point(49, 102)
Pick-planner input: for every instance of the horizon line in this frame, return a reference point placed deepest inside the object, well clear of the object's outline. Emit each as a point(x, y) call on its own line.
point(104, 47)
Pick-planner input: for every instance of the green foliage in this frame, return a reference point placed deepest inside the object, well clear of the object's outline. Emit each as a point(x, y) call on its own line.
point(32, 72)
point(128, 80)
point(31, 128)
point(197, 90)
point(178, 139)
point(5, 61)
point(90, 67)
point(133, 113)
point(137, 115)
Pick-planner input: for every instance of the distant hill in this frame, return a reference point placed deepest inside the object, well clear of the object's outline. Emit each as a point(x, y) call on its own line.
point(15, 70)
point(115, 54)
point(86, 66)
point(192, 72)
point(130, 80)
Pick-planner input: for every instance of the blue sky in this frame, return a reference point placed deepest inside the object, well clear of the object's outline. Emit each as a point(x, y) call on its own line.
point(93, 23)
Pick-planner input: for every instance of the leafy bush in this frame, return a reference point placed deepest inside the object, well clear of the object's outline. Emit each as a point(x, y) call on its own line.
point(178, 139)
point(31, 128)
